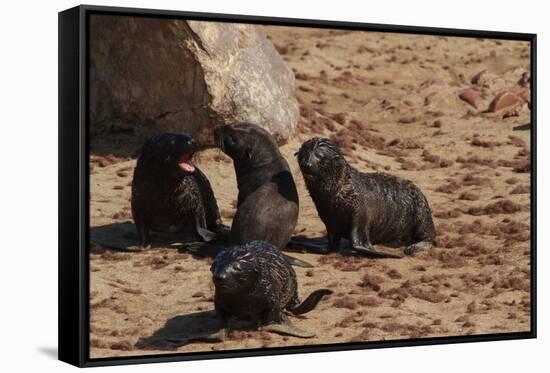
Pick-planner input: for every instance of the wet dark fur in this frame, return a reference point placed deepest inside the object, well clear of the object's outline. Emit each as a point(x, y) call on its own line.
point(267, 207)
point(165, 198)
point(255, 282)
point(367, 208)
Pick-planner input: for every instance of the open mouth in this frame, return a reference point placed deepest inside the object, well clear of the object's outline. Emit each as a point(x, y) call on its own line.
point(185, 162)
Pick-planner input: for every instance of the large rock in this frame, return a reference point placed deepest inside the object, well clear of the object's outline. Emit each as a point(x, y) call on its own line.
point(151, 75)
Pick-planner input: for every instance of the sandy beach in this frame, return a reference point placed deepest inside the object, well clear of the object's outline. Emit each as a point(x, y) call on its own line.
point(392, 102)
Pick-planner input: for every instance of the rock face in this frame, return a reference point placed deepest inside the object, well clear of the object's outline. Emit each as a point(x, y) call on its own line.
point(152, 75)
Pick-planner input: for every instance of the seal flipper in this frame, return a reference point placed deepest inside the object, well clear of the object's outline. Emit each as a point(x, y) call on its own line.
point(201, 249)
point(288, 329)
point(297, 262)
point(310, 302)
point(422, 245)
point(374, 253)
point(360, 240)
point(206, 235)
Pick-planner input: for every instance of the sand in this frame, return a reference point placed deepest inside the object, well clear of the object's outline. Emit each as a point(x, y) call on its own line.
point(392, 102)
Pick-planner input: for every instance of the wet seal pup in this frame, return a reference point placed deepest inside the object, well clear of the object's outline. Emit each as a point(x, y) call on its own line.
point(267, 205)
point(256, 283)
point(169, 193)
point(366, 208)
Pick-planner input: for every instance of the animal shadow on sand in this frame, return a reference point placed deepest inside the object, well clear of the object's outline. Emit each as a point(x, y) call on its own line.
point(195, 327)
point(317, 245)
point(181, 330)
point(123, 237)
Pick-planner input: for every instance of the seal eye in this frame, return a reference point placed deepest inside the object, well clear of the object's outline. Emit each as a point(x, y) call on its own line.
point(319, 152)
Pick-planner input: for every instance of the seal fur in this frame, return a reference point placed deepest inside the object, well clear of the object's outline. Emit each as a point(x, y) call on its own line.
point(366, 208)
point(267, 205)
point(255, 282)
point(169, 193)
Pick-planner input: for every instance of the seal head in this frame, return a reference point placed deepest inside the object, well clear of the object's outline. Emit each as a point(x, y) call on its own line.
point(320, 156)
point(171, 151)
point(233, 276)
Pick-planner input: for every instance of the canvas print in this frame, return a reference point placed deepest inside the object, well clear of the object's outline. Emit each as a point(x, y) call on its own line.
point(260, 186)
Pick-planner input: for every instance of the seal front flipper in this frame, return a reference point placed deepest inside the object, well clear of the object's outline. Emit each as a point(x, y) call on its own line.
point(206, 235)
point(200, 249)
point(373, 253)
point(422, 245)
point(359, 236)
point(297, 262)
point(287, 329)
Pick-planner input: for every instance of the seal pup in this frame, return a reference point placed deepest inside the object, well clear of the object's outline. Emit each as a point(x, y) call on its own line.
point(256, 283)
point(366, 208)
point(169, 193)
point(267, 204)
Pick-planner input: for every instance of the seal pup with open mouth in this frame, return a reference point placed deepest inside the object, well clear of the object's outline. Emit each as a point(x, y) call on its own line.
point(169, 193)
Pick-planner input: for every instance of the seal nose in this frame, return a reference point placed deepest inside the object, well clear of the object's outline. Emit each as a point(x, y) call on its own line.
point(219, 277)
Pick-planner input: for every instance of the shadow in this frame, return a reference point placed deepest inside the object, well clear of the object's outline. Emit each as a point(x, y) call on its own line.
point(50, 352)
point(318, 245)
point(522, 127)
point(314, 245)
point(123, 237)
point(181, 330)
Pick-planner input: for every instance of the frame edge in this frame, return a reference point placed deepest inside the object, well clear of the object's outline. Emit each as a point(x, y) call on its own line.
point(70, 334)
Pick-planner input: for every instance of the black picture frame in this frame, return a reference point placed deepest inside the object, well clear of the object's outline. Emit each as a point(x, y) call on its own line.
point(74, 188)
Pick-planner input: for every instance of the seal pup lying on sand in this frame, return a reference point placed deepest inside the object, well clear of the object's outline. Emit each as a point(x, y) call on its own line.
point(256, 283)
point(366, 208)
point(267, 205)
point(169, 193)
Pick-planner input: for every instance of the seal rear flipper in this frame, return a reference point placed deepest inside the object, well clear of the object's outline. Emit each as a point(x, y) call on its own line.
point(310, 302)
point(287, 329)
point(297, 262)
point(373, 253)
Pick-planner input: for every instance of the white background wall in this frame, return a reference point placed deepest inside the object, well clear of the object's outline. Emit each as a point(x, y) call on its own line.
point(28, 184)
